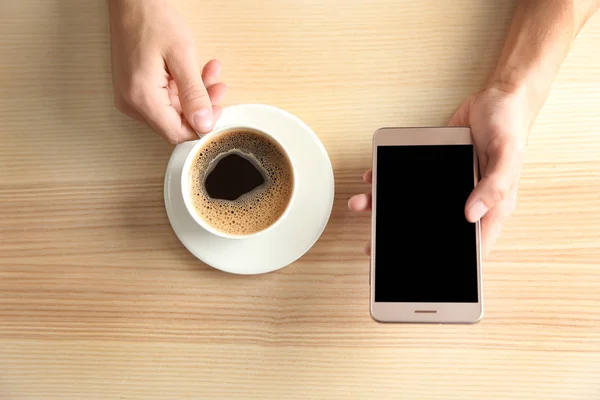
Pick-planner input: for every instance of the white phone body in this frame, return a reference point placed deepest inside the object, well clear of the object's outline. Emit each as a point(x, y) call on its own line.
point(421, 311)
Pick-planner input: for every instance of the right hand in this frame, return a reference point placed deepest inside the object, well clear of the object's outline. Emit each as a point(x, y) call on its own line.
point(499, 122)
point(156, 73)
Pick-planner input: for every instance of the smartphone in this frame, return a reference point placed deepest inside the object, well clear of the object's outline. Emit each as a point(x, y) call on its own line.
point(425, 255)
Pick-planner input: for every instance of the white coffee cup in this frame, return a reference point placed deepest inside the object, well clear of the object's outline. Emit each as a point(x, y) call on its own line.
point(186, 176)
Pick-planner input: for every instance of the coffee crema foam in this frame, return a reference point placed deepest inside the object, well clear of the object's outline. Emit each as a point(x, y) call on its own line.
point(257, 209)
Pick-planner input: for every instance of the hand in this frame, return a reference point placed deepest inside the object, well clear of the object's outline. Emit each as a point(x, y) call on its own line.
point(156, 72)
point(499, 121)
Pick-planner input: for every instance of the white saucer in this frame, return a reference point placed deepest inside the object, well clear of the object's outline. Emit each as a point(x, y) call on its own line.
point(294, 235)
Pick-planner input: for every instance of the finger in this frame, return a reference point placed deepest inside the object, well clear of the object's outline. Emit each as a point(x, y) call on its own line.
point(500, 175)
point(216, 93)
point(368, 176)
point(211, 72)
point(195, 103)
point(493, 222)
point(490, 230)
point(164, 119)
point(217, 110)
point(368, 248)
point(175, 103)
point(171, 125)
point(360, 202)
point(172, 87)
point(174, 95)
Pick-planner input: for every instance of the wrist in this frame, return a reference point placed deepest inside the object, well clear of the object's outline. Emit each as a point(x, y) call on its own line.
point(524, 101)
point(120, 8)
point(530, 83)
point(538, 41)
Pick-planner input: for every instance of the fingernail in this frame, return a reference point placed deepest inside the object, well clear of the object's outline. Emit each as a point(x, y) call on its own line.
point(477, 210)
point(202, 119)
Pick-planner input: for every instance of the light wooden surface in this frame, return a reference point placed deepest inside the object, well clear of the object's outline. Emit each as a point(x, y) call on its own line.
point(99, 300)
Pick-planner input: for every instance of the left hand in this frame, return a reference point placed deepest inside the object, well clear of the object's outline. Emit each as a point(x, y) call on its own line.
point(500, 121)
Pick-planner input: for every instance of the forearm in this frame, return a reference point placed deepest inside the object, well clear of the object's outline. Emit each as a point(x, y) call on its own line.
point(124, 9)
point(538, 41)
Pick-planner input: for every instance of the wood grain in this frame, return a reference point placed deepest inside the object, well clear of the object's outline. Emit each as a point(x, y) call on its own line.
point(99, 300)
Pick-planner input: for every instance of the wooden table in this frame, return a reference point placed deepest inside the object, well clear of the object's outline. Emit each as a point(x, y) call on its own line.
point(99, 300)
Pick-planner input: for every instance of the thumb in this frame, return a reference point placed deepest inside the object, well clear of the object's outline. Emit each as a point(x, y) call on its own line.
point(195, 101)
point(496, 184)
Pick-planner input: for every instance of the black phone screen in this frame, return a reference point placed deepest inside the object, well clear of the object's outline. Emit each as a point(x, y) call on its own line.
point(425, 249)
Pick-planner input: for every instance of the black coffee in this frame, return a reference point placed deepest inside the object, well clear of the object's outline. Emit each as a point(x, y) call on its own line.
point(241, 181)
point(232, 176)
